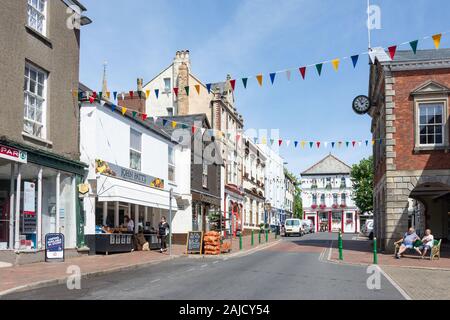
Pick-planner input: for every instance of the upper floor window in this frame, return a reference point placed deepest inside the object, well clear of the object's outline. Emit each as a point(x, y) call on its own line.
point(34, 101)
point(343, 183)
point(205, 176)
point(36, 11)
point(322, 199)
point(171, 164)
point(314, 199)
point(335, 199)
point(344, 199)
point(135, 150)
point(167, 85)
point(431, 124)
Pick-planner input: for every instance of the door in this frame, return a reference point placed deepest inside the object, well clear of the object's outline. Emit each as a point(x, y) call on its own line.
point(4, 220)
point(349, 223)
point(336, 221)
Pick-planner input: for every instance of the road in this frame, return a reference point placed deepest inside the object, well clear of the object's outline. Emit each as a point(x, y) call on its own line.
point(293, 269)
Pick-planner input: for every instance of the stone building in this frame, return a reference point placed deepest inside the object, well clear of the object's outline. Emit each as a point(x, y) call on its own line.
point(410, 126)
point(39, 125)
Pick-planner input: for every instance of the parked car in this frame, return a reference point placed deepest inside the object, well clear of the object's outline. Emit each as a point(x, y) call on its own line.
point(367, 229)
point(308, 226)
point(294, 227)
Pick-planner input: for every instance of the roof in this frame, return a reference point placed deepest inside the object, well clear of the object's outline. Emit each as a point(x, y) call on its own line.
point(329, 165)
point(422, 55)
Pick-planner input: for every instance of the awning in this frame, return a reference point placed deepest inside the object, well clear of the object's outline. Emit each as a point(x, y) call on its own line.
point(111, 190)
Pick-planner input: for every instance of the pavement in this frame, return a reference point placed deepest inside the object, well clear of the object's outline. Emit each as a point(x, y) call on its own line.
point(290, 269)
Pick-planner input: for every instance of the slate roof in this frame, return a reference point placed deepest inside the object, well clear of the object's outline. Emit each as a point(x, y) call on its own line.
point(422, 55)
point(329, 165)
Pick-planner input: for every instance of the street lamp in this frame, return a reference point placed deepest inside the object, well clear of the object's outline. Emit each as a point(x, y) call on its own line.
point(170, 219)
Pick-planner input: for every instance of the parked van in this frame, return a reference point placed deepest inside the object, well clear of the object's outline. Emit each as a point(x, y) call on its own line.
point(294, 227)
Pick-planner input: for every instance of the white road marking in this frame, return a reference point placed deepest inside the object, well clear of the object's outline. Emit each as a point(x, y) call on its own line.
point(215, 262)
point(394, 284)
point(189, 270)
point(329, 252)
point(204, 266)
point(156, 280)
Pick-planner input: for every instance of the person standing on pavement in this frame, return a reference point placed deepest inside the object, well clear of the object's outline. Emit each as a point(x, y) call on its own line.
point(163, 231)
point(129, 224)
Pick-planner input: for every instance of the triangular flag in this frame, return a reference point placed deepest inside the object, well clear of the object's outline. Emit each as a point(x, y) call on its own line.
point(280, 142)
point(184, 126)
point(175, 90)
point(318, 144)
point(193, 129)
point(311, 144)
point(326, 145)
point(244, 82)
point(367, 143)
point(208, 87)
point(155, 119)
point(147, 93)
point(174, 124)
point(354, 143)
point(303, 72)
point(264, 140)
point(288, 75)
point(131, 94)
point(437, 40)
point(373, 142)
point(94, 94)
point(288, 143)
point(272, 141)
point(259, 77)
point(157, 93)
point(115, 95)
point(108, 94)
point(319, 68)
point(303, 144)
point(238, 137)
point(187, 90)
point(124, 110)
point(255, 140)
point(233, 84)
point(296, 143)
point(333, 144)
point(347, 144)
point(113, 107)
point(91, 100)
point(134, 114)
point(392, 51)
point(197, 87)
point(355, 60)
point(164, 122)
point(144, 116)
point(335, 63)
point(272, 77)
point(100, 95)
point(413, 45)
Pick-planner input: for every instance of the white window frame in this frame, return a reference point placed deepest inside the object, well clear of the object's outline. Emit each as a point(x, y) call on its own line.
point(205, 176)
point(167, 89)
point(34, 95)
point(171, 164)
point(34, 9)
point(431, 101)
point(133, 150)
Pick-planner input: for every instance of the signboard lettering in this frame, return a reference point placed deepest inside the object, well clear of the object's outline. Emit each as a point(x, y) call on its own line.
point(54, 247)
point(13, 154)
point(194, 242)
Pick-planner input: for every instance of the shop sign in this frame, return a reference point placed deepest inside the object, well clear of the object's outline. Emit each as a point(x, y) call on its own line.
point(13, 154)
point(29, 199)
point(54, 247)
point(112, 170)
point(194, 243)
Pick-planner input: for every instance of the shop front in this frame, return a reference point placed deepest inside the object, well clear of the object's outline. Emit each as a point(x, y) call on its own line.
point(334, 221)
point(38, 196)
point(205, 209)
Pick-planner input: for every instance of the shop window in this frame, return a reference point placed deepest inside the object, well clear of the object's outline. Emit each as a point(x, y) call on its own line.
point(431, 124)
point(135, 150)
point(36, 12)
point(171, 164)
point(34, 101)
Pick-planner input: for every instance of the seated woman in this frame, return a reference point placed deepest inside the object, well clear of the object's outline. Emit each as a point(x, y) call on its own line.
point(407, 242)
point(428, 242)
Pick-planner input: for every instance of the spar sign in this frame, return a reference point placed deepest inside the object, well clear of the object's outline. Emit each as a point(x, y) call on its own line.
point(13, 154)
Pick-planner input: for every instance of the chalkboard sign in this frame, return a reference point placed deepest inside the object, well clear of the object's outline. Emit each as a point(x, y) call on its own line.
point(54, 247)
point(194, 242)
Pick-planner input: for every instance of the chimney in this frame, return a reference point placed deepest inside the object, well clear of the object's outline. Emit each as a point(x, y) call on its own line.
point(140, 84)
point(183, 82)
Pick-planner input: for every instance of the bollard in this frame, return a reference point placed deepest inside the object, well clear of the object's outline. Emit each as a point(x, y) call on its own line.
point(340, 246)
point(375, 252)
point(253, 238)
point(240, 241)
point(259, 236)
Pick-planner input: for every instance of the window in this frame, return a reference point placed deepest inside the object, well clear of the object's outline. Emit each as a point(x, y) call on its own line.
point(322, 199)
point(205, 176)
point(170, 112)
point(431, 123)
point(171, 164)
point(167, 85)
point(343, 199)
point(36, 15)
point(135, 150)
point(343, 183)
point(314, 199)
point(34, 101)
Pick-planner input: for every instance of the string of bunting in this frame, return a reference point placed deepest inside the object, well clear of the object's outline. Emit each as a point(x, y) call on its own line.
point(302, 71)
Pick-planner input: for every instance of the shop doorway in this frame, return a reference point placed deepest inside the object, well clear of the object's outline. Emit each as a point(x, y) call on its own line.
point(4, 220)
point(336, 222)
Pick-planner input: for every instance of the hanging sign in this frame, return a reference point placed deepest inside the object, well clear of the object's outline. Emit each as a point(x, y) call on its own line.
point(54, 247)
point(13, 154)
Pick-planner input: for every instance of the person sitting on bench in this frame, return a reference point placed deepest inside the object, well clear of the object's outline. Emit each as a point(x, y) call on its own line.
point(407, 242)
point(427, 243)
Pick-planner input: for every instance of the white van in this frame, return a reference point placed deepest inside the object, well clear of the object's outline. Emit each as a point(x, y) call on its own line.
point(294, 226)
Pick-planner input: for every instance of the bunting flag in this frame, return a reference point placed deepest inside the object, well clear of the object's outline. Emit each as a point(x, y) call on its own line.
point(124, 110)
point(347, 144)
point(354, 143)
point(303, 144)
point(131, 94)
point(280, 142)
point(437, 40)
point(355, 59)
point(164, 122)
point(333, 144)
point(91, 99)
point(144, 116)
point(147, 93)
point(94, 94)
point(134, 114)
point(264, 140)
point(335, 64)
point(392, 50)
point(319, 68)
point(296, 144)
point(187, 90)
point(174, 124)
point(113, 107)
point(259, 77)
point(140, 94)
point(244, 82)
point(197, 87)
point(272, 141)
point(288, 143)
point(311, 144)
point(233, 84)
point(100, 95)
point(255, 140)
point(318, 145)
point(413, 45)
point(115, 95)
point(208, 87)
point(272, 77)
point(193, 129)
point(238, 137)
point(157, 93)
point(303, 72)
point(288, 75)
point(108, 95)
point(175, 90)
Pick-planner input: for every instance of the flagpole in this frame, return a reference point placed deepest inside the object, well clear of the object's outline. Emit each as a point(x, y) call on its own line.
point(368, 24)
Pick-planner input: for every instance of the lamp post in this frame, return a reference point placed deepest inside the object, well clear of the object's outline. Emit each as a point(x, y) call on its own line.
point(170, 221)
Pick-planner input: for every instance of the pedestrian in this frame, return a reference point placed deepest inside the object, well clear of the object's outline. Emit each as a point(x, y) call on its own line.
point(163, 231)
point(129, 224)
point(407, 242)
point(427, 244)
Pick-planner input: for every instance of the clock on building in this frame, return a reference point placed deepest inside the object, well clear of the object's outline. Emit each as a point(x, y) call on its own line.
point(361, 104)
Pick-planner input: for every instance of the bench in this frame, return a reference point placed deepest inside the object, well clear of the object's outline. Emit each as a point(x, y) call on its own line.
point(435, 252)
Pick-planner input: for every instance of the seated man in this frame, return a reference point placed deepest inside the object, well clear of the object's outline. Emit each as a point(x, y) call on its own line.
point(407, 242)
point(428, 242)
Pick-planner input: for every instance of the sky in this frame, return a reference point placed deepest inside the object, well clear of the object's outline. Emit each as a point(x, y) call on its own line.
point(243, 38)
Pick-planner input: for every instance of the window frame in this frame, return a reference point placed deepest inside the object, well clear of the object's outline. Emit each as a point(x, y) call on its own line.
point(445, 125)
point(43, 99)
point(133, 150)
point(171, 164)
point(42, 13)
point(205, 176)
point(167, 90)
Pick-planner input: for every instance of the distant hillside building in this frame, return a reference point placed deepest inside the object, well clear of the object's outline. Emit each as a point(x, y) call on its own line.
point(327, 192)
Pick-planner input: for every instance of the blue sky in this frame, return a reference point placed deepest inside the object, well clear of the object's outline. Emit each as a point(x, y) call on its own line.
point(243, 38)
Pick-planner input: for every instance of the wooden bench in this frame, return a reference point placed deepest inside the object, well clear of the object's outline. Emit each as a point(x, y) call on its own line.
point(435, 252)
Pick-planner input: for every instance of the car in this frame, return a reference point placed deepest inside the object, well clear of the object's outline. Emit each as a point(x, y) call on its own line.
point(294, 227)
point(367, 229)
point(308, 226)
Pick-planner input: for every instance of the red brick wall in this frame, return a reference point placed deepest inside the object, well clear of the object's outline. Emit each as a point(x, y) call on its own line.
point(406, 159)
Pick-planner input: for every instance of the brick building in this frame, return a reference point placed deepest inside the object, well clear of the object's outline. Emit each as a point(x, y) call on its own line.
point(410, 112)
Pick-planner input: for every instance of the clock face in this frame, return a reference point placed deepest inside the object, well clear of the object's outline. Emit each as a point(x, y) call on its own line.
point(361, 105)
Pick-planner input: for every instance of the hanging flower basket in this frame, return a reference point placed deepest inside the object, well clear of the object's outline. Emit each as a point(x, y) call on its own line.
point(335, 206)
point(322, 206)
point(314, 206)
point(343, 206)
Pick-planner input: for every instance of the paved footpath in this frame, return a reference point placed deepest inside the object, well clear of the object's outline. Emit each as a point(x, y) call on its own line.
point(38, 275)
